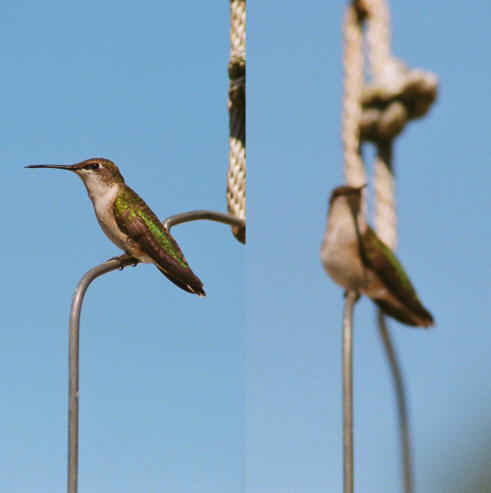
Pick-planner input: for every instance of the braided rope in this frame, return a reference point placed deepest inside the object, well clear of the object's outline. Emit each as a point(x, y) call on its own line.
point(385, 217)
point(353, 87)
point(378, 37)
point(396, 96)
point(386, 71)
point(238, 28)
point(236, 176)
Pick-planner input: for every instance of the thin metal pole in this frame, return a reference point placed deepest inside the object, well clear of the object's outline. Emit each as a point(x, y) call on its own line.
point(73, 366)
point(401, 405)
point(74, 329)
point(351, 298)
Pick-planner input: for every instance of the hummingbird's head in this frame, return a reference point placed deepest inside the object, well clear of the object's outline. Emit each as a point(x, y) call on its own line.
point(345, 208)
point(349, 196)
point(96, 173)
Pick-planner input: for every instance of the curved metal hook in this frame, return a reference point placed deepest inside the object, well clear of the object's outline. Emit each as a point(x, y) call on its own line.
point(74, 327)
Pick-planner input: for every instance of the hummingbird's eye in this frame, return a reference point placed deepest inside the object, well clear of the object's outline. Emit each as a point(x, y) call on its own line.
point(94, 166)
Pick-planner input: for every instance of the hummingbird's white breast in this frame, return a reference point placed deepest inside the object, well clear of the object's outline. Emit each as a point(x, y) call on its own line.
point(340, 251)
point(103, 196)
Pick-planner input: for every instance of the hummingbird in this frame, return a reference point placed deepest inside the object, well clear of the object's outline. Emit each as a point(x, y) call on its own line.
point(129, 223)
point(357, 259)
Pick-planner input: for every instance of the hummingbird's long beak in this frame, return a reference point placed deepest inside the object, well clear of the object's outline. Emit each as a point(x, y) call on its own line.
point(55, 166)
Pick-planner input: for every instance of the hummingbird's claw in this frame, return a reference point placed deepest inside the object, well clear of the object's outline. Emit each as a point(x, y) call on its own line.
point(122, 259)
point(345, 294)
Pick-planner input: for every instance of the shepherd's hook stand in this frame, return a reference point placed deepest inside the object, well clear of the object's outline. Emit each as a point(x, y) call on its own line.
point(73, 349)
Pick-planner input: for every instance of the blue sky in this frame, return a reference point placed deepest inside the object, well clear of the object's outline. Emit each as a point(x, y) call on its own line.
point(239, 391)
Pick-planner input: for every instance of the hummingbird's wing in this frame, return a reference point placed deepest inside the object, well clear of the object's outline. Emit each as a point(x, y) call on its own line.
point(137, 220)
point(380, 258)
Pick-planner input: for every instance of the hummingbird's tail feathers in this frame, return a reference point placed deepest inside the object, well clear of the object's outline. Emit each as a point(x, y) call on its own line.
point(194, 287)
point(421, 319)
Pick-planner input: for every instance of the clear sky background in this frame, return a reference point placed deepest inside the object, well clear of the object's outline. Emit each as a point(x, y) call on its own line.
point(240, 391)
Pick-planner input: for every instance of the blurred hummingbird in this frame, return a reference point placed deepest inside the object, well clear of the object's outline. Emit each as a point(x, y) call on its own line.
point(129, 223)
point(357, 259)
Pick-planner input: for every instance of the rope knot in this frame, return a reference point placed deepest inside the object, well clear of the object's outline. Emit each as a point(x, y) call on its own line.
point(392, 101)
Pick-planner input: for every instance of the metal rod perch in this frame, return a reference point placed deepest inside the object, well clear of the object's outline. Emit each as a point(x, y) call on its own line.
point(74, 328)
point(351, 298)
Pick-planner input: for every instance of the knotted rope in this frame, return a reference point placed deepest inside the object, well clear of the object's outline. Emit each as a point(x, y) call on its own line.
point(395, 96)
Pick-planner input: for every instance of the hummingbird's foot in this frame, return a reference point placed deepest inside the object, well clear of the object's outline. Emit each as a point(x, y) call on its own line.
point(345, 294)
point(124, 259)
